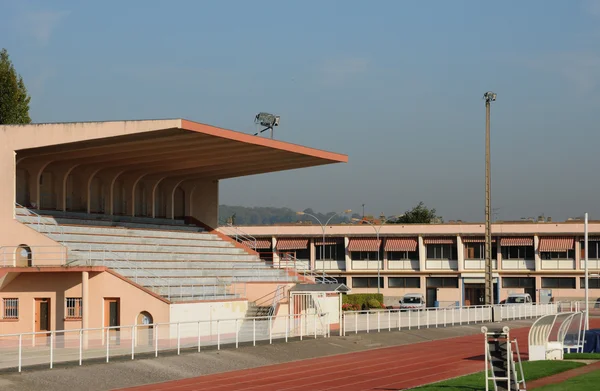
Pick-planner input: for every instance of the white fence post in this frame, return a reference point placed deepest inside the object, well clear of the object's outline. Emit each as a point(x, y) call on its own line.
point(287, 327)
point(107, 344)
point(156, 340)
point(218, 336)
point(315, 323)
point(200, 335)
point(301, 327)
point(20, 351)
point(389, 320)
point(132, 342)
point(356, 323)
point(237, 334)
point(368, 325)
point(378, 322)
point(254, 332)
point(80, 347)
point(178, 338)
point(51, 349)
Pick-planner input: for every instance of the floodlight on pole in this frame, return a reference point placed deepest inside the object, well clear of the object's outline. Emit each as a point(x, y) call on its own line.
point(587, 277)
point(269, 121)
point(323, 226)
point(489, 284)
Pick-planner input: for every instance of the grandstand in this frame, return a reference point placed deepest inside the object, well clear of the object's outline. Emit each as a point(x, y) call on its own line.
point(110, 223)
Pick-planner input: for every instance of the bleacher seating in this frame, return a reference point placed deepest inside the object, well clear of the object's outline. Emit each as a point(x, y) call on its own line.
point(176, 260)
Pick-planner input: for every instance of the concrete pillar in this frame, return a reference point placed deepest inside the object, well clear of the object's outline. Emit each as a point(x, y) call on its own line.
point(536, 251)
point(577, 248)
point(385, 265)
point(85, 291)
point(35, 170)
point(313, 254)
point(347, 254)
point(109, 177)
point(422, 254)
point(498, 255)
point(275, 255)
point(460, 253)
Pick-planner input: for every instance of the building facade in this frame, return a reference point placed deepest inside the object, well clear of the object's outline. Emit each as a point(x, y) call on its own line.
point(445, 262)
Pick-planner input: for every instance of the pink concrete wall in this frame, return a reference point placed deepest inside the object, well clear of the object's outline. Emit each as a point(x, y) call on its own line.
point(59, 285)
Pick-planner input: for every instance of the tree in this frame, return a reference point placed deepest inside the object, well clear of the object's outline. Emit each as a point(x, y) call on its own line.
point(420, 214)
point(14, 100)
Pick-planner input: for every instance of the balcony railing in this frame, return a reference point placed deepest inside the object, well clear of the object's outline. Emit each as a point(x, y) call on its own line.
point(441, 264)
point(404, 264)
point(518, 264)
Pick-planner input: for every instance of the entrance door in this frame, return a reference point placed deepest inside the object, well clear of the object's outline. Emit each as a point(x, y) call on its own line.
point(42, 315)
point(474, 294)
point(531, 290)
point(112, 318)
point(431, 297)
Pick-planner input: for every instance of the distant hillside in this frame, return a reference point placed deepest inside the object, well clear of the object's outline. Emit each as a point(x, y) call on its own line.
point(242, 215)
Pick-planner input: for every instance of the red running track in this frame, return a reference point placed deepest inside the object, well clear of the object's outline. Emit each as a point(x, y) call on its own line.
point(390, 368)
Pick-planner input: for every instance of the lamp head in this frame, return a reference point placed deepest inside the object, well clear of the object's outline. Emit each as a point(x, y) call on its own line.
point(300, 213)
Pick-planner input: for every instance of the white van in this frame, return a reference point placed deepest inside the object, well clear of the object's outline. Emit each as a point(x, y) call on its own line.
point(519, 298)
point(412, 301)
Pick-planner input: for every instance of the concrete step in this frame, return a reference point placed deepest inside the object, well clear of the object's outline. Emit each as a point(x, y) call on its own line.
point(219, 296)
point(83, 253)
point(106, 223)
point(168, 251)
point(191, 291)
point(97, 237)
point(94, 216)
point(185, 265)
point(195, 273)
point(124, 232)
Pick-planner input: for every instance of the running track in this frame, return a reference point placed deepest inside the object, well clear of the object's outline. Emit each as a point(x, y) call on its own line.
point(390, 368)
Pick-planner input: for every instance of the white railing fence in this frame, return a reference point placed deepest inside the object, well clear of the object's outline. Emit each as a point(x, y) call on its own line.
point(33, 256)
point(378, 320)
point(50, 348)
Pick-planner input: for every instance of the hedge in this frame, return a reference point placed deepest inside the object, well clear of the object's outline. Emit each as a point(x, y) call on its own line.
point(362, 299)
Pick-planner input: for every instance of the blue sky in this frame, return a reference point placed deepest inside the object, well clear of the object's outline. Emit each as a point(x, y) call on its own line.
point(396, 85)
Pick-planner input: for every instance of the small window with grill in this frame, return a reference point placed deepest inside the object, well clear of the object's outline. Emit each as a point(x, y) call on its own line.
point(10, 308)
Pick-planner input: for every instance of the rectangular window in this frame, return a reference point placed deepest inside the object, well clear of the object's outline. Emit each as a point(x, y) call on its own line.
point(336, 252)
point(74, 308)
point(404, 282)
point(594, 283)
point(364, 256)
point(518, 252)
point(442, 282)
point(10, 308)
point(558, 282)
point(441, 251)
point(341, 280)
point(403, 255)
point(592, 252)
point(477, 250)
point(366, 282)
point(518, 282)
point(302, 254)
point(570, 254)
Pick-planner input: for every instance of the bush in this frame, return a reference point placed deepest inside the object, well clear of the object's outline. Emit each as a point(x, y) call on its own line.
point(373, 303)
point(350, 307)
point(361, 300)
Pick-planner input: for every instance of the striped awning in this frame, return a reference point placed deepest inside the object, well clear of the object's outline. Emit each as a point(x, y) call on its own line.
point(364, 244)
point(260, 243)
point(516, 241)
point(292, 244)
point(401, 244)
point(328, 241)
point(558, 244)
point(476, 239)
point(439, 240)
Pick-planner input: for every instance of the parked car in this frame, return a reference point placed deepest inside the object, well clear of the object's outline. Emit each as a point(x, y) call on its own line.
point(519, 298)
point(412, 301)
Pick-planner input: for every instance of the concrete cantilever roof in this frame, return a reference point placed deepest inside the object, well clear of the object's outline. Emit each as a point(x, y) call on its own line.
point(167, 148)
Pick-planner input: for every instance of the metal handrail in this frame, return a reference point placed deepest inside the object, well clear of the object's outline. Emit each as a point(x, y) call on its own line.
point(291, 262)
point(35, 254)
point(239, 235)
point(42, 220)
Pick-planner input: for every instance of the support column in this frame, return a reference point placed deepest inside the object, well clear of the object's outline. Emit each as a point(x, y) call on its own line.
point(577, 248)
point(35, 170)
point(109, 177)
point(422, 254)
point(347, 254)
point(85, 290)
point(460, 254)
point(313, 254)
point(536, 252)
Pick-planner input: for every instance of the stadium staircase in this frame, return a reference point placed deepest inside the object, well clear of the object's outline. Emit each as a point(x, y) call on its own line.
point(179, 261)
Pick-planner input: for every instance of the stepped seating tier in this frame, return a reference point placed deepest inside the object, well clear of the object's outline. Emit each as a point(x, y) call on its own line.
point(174, 259)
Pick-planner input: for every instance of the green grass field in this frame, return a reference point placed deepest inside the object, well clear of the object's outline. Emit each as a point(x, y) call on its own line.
point(476, 382)
point(588, 382)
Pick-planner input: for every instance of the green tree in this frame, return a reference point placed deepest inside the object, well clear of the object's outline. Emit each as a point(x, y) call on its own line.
point(14, 100)
point(420, 214)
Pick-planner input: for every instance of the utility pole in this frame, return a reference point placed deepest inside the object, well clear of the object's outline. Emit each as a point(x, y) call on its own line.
point(489, 280)
point(363, 216)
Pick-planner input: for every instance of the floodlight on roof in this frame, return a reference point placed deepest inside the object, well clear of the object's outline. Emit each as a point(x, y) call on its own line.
point(269, 121)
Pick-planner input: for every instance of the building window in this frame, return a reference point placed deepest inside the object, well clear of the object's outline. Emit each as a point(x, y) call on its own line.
point(558, 282)
point(366, 282)
point(593, 252)
point(10, 308)
point(334, 252)
point(518, 282)
point(441, 251)
point(477, 250)
point(341, 280)
point(518, 252)
point(364, 256)
point(74, 308)
point(442, 282)
point(404, 282)
point(302, 253)
point(594, 283)
point(547, 255)
point(403, 255)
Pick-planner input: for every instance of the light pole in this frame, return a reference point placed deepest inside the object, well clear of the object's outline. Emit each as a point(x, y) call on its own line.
point(378, 249)
point(587, 304)
point(489, 97)
point(323, 227)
